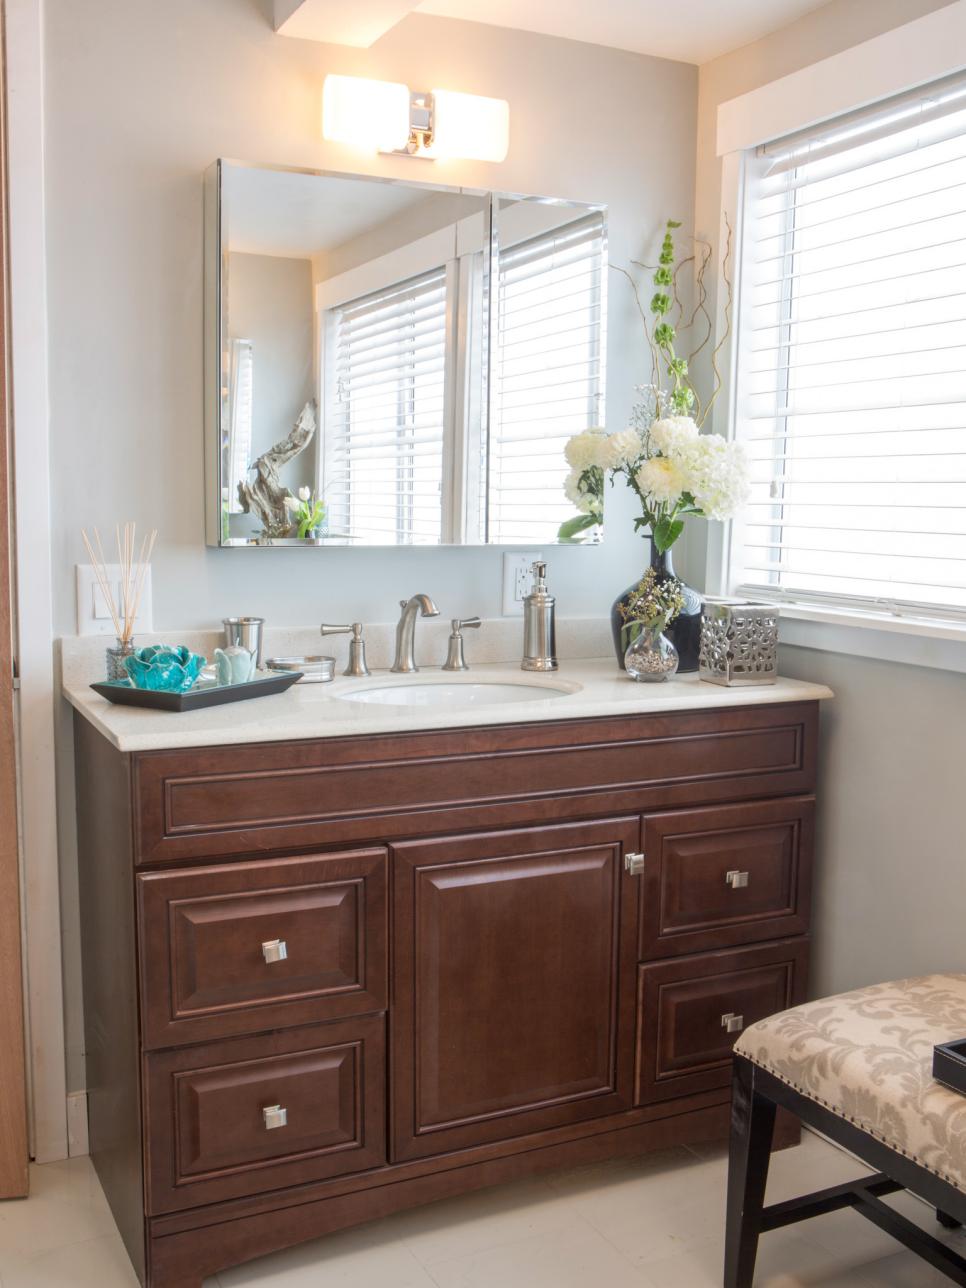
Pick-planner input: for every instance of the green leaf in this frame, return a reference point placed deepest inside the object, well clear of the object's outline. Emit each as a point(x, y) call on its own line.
point(665, 532)
point(569, 529)
point(674, 223)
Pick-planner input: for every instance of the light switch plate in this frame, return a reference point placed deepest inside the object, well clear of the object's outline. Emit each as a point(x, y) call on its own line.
point(93, 615)
point(517, 580)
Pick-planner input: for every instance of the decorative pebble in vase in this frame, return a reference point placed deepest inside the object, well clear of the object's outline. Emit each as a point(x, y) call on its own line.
point(651, 657)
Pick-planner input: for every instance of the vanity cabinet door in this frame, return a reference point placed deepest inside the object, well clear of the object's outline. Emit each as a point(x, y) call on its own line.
point(725, 875)
point(244, 947)
point(513, 1006)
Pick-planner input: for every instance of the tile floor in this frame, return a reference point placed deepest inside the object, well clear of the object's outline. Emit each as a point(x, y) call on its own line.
point(652, 1222)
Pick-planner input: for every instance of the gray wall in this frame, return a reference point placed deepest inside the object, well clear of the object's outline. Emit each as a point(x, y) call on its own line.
point(141, 97)
point(891, 878)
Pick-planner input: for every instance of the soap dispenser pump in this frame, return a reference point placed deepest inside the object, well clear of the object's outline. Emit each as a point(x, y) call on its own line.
point(539, 631)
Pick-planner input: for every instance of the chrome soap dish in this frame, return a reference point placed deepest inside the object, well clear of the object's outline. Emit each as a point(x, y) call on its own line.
point(315, 670)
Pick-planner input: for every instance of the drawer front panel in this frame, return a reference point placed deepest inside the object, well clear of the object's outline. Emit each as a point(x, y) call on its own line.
point(237, 800)
point(691, 1011)
point(725, 875)
point(245, 947)
point(238, 1117)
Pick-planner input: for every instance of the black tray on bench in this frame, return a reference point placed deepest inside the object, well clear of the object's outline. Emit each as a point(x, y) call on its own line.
point(125, 694)
point(949, 1064)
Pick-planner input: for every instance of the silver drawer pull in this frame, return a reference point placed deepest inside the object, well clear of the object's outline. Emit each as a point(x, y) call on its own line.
point(732, 1023)
point(274, 950)
point(275, 1116)
point(737, 880)
point(634, 863)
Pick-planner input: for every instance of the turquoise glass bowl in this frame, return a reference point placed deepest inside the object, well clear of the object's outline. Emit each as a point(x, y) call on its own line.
point(164, 669)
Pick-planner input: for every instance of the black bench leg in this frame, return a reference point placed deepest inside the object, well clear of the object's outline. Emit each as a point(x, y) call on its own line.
point(946, 1221)
point(752, 1125)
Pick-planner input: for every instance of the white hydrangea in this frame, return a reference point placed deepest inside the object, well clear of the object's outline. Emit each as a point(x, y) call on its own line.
point(578, 498)
point(622, 448)
point(671, 434)
point(662, 480)
point(586, 449)
point(718, 475)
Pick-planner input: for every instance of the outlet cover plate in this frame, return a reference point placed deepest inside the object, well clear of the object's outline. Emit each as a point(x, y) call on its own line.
point(517, 579)
point(93, 615)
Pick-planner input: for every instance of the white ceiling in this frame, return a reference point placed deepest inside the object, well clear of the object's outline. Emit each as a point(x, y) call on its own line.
point(692, 31)
point(284, 212)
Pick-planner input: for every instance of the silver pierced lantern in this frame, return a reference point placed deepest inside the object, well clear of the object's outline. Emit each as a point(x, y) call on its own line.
point(739, 642)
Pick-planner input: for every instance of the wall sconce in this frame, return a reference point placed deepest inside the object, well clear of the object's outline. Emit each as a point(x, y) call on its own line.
point(441, 123)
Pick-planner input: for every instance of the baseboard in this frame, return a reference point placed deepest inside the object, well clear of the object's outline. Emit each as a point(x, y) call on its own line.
point(77, 1138)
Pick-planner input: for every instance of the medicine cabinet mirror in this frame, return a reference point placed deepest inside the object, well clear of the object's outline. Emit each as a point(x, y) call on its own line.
point(403, 362)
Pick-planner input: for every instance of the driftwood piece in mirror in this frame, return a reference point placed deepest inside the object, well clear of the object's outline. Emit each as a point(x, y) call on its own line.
point(265, 496)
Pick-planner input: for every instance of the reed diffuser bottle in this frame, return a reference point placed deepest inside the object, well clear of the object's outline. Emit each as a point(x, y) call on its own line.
point(124, 603)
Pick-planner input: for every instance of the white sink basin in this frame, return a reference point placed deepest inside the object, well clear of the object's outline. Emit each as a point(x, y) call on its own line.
point(452, 693)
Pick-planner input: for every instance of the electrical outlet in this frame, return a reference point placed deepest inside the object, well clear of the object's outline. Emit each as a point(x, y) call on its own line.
point(93, 614)
point(517, 580)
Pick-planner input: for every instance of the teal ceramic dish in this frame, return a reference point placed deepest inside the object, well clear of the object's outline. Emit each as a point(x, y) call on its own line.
point(162, 669)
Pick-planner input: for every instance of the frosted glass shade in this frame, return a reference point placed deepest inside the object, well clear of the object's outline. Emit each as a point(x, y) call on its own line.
point(365, 113)
point(468, 125)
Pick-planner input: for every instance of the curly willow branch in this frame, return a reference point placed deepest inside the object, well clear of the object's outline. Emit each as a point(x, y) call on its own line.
point(655, 368)
point(726, 277)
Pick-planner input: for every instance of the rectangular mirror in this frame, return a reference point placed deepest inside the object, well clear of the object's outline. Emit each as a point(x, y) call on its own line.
point(397, 363)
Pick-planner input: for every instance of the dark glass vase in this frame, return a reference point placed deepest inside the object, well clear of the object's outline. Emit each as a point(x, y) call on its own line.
point(684, 632)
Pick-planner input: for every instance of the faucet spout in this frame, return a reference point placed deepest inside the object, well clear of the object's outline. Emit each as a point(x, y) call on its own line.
point(405, 661)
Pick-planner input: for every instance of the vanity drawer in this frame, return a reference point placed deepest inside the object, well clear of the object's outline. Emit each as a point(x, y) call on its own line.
point(685, 1009)
point(254, 1114)
point(245, 947)
point(725, 875)
point(251, 798)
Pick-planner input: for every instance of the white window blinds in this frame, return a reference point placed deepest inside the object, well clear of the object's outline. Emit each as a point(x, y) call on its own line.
point(852, 360)
point(547, 379)
point(386, 413)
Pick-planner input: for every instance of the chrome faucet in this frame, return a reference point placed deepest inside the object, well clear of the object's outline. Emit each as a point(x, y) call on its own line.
point(405, 662)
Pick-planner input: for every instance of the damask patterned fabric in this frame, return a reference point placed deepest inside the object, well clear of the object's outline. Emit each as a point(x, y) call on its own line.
point(867, 1056)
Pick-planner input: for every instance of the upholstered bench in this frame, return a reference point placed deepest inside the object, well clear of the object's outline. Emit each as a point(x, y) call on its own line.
point(858, 1069)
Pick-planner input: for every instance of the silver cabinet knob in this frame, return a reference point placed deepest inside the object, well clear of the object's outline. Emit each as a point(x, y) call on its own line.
point(737, 880)
point(274, 950)
point(732, 1023)
point(274, 1116)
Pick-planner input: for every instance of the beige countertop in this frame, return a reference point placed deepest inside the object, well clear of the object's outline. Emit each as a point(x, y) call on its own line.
point(591, 687)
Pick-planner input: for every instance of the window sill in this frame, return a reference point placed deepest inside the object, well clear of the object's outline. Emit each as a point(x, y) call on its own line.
point(913, 641)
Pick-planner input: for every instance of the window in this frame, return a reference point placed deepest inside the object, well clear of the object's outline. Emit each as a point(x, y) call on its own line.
point(386, 413)
point(239, 420)
point(851, 394)
point(548, 376)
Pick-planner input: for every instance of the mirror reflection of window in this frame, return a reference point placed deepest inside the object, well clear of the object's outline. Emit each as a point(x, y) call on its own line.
point(386, 413)
point(239, 420)
point(548, 370)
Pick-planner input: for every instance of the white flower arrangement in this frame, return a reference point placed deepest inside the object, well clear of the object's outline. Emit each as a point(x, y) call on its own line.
point(674, 469)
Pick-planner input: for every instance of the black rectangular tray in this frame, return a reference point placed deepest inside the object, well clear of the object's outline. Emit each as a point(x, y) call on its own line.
point(949, 1064)
point(215, 695)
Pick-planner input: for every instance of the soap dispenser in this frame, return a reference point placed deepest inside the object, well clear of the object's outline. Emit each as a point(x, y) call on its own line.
point(539, 632)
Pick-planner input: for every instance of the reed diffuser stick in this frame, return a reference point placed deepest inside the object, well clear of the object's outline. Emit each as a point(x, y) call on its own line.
point(134, 563)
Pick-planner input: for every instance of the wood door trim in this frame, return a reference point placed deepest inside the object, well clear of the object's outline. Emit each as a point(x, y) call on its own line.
point(13, 1095)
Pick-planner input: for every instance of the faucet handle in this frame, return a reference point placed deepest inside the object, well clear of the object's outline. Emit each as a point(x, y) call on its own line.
point(327, 629)
point(455, 661)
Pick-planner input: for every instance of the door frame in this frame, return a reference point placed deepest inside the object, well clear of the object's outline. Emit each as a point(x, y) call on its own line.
point(38, 700)
point(14, 1176)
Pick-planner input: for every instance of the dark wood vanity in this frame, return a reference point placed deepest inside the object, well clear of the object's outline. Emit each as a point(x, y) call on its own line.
point(327, 980)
